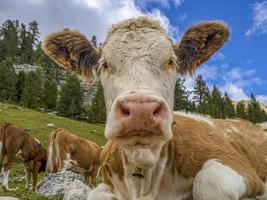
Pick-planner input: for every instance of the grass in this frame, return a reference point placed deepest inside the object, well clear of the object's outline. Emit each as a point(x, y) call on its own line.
point(35, 123)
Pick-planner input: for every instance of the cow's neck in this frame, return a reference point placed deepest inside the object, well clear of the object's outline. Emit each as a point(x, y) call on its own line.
point(145, 168)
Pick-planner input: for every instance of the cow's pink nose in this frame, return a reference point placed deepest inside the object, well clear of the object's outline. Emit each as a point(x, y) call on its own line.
point(140, 115)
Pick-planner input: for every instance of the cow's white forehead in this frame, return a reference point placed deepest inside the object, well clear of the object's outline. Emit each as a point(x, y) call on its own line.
point(141, 39)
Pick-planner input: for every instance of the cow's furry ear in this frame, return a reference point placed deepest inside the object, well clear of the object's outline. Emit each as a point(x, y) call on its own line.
point(72, 51)
point(199, 43)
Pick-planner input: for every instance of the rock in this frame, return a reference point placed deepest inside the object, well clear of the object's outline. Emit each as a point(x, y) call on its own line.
point(8, 198)
point(77, 191)
point(55, 184)
point(50, 125)
point(53, 113)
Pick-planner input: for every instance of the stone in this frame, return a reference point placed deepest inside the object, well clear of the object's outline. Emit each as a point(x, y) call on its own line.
point(55, 184)
point(50, 125)
point(8, 198)
point(77, 191)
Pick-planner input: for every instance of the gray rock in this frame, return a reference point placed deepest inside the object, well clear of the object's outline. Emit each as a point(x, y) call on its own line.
point(55, 184)
point(77, 191)
point(8, 198)
point(50, 125)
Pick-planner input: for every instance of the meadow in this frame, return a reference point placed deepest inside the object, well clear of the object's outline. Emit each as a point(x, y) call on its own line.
point(36, 124)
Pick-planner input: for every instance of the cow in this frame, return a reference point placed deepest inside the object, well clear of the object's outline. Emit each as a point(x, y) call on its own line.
point(17, 145)
point(153, 153)
point(67, 151)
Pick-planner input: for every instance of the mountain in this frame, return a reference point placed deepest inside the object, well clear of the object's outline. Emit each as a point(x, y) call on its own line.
point(246, 102)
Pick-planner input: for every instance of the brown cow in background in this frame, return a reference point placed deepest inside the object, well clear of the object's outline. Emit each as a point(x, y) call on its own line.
point(16, 145)
point(67, 151)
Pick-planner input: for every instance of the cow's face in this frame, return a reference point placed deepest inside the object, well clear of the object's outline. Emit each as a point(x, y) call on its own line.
point(138, 66)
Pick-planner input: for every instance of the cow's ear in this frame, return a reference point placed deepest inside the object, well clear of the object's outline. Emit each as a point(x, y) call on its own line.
point(72, 51)
point(199, 43)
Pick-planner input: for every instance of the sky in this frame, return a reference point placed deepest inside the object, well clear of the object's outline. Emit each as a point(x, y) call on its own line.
point(239, 68)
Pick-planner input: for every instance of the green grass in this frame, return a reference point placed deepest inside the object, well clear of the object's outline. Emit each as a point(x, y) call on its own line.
point(35, 123)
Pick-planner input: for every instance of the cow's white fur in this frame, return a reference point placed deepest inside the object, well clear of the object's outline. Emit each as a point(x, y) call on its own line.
point(216, 182)
point(27, 178)
point(5, 179)
point(133, 66)
point(197, 117)
point(68, 163)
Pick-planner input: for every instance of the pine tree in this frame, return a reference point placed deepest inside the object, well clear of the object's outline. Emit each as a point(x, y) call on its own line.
point(9, 35)
point(216, 104)
point(71, 97)
point(94, 41)
point(32, 91)
point(20, 85)
point(7, 81)
point(181, 96)
point(241, 110)
point(201, 95)
point(50, 94)
point(229, 109)
point(254, 112)
point(97, 111)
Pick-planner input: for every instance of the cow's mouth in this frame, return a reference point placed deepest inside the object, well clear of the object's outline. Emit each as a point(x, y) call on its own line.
point(138, 134)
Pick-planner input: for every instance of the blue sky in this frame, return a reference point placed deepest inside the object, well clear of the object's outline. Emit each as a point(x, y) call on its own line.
point(239, 68)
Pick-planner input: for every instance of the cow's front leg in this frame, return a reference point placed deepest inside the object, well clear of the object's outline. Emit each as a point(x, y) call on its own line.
point(36, 167)
point(216, 182)
point(5, 173)
point(28, 176)
point(102, 192)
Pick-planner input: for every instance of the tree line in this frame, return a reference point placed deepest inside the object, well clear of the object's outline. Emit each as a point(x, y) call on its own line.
point(20, 46)
point(215, 104)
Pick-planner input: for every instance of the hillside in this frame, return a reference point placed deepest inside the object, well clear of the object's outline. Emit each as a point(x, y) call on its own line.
point(246, 102)
point(35, 123)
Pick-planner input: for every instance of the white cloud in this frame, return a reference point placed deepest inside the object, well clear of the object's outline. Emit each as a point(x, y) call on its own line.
point(262, 98)
point(237, 82)
point(144, 4)
point(91, 17)
point(259, 18)
point(235, 92)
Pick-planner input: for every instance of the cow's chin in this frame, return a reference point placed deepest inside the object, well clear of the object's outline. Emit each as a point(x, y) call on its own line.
point(142, 151)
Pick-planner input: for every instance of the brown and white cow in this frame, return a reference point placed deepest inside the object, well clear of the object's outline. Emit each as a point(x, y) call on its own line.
point(16, 145)
point(153, 153)
point(67, 151)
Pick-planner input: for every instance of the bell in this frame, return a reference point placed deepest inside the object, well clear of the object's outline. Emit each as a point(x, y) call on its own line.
point(138, 172)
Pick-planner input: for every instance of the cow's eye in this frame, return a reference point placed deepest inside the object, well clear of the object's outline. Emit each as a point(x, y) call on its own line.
point(105, 65)
point(170, 63)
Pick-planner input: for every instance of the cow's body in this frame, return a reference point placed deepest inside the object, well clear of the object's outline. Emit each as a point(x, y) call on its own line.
point(146, 158)
point(204, 154)
point(16, 145)
point(67, 151)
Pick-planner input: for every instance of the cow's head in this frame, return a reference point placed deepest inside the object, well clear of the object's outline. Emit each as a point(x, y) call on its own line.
point(137, 65)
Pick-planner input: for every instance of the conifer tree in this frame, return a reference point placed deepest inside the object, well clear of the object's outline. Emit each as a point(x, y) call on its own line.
point(7, 81)
point(201, 95)
point(181, 96)
point(71, 97)
point(241, 110)
point(50, 94)
point(20, 85)
point(32, 91)
point(97, 111)
point(229, 109)
point(94, 41)
point(216, 104)
point(9, 34)
point(254, 112)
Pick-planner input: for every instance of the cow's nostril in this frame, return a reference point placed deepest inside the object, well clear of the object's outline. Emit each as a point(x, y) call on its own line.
point(157, 110)
point(125, 111)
